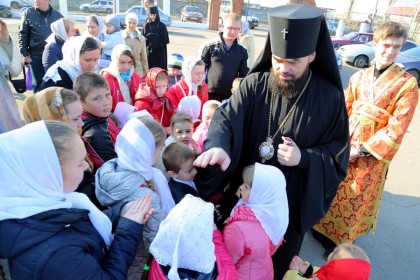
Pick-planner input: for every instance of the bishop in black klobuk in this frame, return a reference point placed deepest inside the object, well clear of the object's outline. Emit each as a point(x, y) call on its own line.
point(310, 126)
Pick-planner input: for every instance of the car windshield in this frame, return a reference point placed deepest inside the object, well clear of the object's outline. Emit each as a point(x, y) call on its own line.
point(350, 35)
point(193, 9)
point(413, 53)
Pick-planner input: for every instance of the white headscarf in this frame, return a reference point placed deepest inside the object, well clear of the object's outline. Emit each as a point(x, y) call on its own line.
point(187, 67)
point(131, 16)
point(185, 238)
point(113, 69)
point(32, 182)
point(58, 29)
point(268, 201)
point(190, 105)
point(70, 63)
point(101, 24)
point(135, 148)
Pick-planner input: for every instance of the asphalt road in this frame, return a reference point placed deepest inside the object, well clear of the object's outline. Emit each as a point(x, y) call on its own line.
point(394, 250)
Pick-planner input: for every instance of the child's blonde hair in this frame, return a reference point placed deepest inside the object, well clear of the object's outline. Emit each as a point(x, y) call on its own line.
point(248, 174)
point(210, 105)
point(348, 251)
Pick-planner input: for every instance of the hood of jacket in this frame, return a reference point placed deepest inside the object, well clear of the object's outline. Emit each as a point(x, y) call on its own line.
point(20, 235)
point(113, 184)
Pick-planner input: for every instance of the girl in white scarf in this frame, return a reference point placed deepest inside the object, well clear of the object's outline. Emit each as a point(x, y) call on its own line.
point(32, 179)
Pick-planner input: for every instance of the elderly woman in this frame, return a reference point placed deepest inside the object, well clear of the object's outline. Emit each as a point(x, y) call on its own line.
point(48, 230)
point(62, 29)
point(137, 43)
point(9, 113)
point(80, 54)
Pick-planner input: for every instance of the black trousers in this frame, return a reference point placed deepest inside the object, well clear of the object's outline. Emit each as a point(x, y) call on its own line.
point(284, 254)
point(38, 72)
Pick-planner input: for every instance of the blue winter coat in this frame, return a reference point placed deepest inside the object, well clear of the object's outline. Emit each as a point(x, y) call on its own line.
point(63, 244)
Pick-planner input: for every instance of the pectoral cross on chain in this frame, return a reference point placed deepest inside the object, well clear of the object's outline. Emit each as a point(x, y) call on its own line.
point(284, 33)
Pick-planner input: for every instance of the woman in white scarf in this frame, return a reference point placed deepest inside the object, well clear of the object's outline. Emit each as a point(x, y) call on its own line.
point(94, 25)
point(39, 182)
point(62, 29)
point(80, 54)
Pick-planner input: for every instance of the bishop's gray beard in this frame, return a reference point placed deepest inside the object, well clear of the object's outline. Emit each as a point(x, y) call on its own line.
point(286, 88)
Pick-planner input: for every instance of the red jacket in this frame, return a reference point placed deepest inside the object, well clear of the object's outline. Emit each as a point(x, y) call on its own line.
point(146, 98)
point(180, 90)
point(114, 87)
point(225, 268)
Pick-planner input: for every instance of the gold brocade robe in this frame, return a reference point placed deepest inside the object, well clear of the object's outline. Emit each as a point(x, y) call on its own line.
point(380, 112)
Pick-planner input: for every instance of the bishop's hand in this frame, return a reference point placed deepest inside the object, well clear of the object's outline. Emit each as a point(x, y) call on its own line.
point(213, 156)
point(288, 153)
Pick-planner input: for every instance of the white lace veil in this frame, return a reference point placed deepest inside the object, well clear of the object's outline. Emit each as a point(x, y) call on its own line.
point(184, 239)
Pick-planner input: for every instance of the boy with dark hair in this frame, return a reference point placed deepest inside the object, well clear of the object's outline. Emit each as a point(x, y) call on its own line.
point(178, 159)
point(99, 131)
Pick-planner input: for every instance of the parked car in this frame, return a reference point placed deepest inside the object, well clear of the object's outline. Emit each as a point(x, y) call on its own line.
point(410, 61)
point(5, 11)
point(140, 11)
point(253, 21)
point(191, 13)
point(98, 6)
point(339, 60)
point(360, 55)
point(352, 38)
point(17, 4)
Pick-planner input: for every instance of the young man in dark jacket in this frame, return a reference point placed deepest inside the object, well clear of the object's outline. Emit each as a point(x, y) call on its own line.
point(34, 29)
point(225, 59)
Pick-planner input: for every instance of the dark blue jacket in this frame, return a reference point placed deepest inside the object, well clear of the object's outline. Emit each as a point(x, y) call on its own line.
point(179, 190)
point(63, 244)
point(52, 53)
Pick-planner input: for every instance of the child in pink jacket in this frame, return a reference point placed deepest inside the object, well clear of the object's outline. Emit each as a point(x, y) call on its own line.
point(258, 222)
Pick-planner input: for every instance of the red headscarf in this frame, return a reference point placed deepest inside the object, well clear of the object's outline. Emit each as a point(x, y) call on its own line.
point(349, 269)
point(147, 90)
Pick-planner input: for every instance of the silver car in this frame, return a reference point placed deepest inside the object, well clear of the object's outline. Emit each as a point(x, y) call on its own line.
point(360, 55)
point(98, 6)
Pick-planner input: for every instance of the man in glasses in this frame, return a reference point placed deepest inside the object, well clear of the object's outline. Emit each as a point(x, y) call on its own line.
point(225, 58)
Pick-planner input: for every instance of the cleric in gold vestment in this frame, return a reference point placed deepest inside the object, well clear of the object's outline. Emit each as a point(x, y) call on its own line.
point(380, 102)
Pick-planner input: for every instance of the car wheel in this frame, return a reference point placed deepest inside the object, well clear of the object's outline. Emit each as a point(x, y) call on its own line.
point(414, 73)
point(86, 9)
point(108, 11)
point(360, 61)
point(14, 5)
